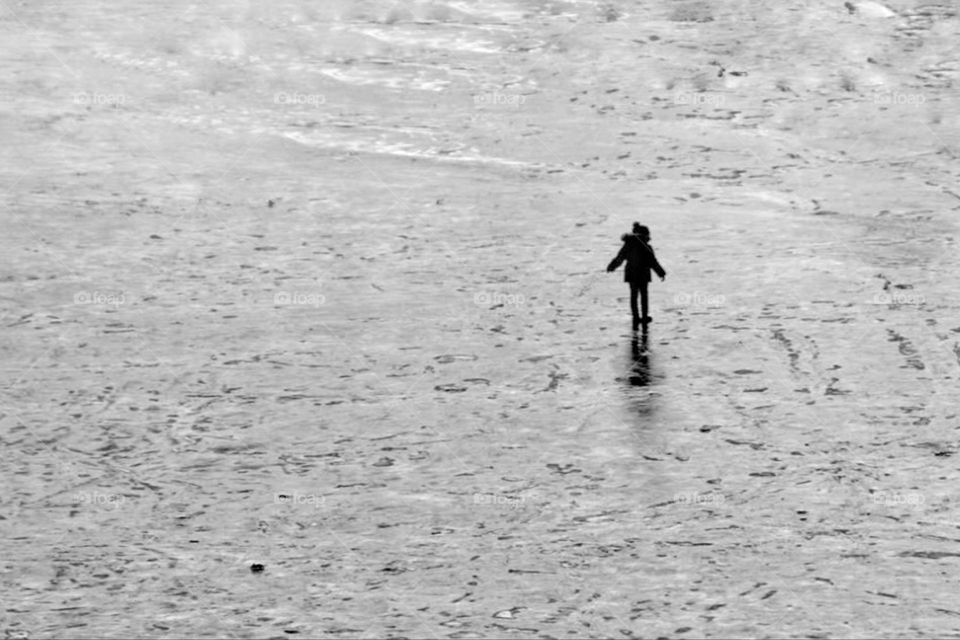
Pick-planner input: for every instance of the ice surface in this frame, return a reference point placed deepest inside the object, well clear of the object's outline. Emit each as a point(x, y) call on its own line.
point(320, 286)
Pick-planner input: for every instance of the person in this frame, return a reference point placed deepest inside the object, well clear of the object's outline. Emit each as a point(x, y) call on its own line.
point(640, 260)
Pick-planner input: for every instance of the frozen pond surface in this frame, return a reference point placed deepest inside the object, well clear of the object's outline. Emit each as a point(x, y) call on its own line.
point(322, 289)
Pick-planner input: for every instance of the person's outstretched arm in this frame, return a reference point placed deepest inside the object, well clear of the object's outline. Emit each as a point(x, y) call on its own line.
point(655, 264)
point(621, 256)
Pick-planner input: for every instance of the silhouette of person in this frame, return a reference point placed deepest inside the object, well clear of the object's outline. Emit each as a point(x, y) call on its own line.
point(640, 259)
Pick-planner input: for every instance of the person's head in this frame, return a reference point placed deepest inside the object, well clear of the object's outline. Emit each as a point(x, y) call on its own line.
point(641, 230)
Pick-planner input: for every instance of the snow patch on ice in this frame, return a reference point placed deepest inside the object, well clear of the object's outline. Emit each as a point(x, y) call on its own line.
point(489, 9)
point(874, 10)
point(418, 38)
point(318, 139)
point(362, 77)
point(775, 198)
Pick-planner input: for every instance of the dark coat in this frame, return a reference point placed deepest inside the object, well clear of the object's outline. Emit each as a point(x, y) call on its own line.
point(640, 260)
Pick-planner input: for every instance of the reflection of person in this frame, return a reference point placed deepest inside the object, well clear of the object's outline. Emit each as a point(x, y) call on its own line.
point(640, 371)
point(640, 259)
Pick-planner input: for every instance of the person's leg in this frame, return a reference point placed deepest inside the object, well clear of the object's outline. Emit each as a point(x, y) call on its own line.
point(643, 301)
point(634, 290)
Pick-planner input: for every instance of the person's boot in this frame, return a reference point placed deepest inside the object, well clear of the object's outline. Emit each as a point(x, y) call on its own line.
point(647, 320)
